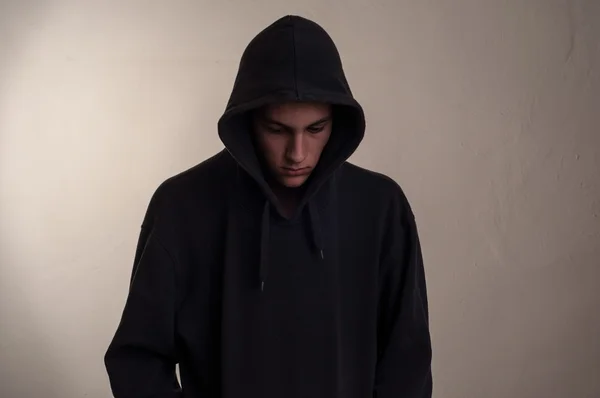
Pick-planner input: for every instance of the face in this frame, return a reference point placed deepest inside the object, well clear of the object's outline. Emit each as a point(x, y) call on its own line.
point(291, 138)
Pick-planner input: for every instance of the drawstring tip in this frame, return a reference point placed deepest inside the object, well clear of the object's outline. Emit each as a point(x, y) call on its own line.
point(322, 256)
point(262, 286)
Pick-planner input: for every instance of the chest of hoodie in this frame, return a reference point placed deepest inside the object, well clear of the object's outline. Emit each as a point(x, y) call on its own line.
point(306, 282)
point(299, 273)
point(310, 304)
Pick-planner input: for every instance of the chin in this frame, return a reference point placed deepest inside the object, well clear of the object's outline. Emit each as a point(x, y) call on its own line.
point(292, 182)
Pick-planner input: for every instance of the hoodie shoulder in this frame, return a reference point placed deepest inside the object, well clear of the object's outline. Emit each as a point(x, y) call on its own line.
point(376, 188)
point(367, 179)
point(206, 178)
point(203, 185)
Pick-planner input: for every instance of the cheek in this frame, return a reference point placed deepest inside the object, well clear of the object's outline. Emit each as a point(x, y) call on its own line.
point(270, 148)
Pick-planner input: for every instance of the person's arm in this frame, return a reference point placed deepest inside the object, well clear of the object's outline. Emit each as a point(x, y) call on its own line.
point(141, 358)
point(404, 343)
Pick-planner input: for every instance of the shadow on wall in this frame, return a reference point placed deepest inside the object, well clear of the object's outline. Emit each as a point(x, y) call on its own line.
point(27, 366)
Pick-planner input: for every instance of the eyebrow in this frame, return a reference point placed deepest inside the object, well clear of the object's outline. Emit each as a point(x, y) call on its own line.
point(323, 120)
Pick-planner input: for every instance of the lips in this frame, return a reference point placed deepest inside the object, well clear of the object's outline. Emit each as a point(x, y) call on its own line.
point(296, 172)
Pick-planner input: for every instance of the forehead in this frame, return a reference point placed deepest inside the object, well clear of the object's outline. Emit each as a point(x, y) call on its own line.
point(296, 112)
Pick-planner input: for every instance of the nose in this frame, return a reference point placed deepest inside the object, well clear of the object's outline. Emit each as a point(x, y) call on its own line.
point(296, 152)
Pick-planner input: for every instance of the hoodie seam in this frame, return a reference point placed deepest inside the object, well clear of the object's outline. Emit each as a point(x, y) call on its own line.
point(295, 59)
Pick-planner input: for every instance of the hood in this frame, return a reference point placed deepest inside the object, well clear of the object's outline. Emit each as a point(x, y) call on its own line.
point(293, 59)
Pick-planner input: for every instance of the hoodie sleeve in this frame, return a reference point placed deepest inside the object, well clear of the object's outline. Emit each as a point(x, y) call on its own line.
point(404, 344)
point(141, 359)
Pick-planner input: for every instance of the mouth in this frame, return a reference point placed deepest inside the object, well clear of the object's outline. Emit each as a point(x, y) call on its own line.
point(290, 171)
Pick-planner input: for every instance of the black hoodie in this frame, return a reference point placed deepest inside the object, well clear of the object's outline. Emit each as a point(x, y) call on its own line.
point(328, 303)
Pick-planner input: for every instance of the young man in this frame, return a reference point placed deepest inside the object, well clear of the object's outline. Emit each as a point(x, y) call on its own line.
point(275, 268)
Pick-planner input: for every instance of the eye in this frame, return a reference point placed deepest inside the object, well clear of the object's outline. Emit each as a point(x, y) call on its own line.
point(315, 129)
point(274, 130)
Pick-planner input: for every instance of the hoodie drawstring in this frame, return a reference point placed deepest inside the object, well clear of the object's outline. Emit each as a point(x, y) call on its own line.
point(264, 244)
point(315, 224)
point(316, 233)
